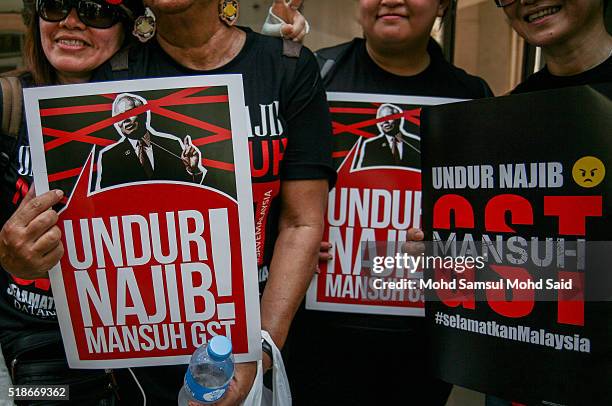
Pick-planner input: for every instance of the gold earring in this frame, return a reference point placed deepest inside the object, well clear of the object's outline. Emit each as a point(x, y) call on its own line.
point(145, 26)
point(228, 11)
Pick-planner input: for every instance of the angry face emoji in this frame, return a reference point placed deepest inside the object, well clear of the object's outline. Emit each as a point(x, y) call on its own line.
point(588, 171)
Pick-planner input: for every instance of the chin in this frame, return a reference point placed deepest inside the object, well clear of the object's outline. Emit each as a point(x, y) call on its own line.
point(397, 36)
point(546, 39)
point(170, 6)
point(75, 68)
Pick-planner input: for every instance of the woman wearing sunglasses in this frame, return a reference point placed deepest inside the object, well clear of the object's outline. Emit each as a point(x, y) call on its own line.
point(573, 37)
point(71, 38)
point(65, 42)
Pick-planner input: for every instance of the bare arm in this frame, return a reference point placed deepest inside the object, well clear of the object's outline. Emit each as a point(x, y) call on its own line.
point(292, 268)
point(295, 254)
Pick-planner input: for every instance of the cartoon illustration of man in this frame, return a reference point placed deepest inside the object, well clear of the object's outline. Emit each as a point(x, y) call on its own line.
point(394, 146)
point(144, 154)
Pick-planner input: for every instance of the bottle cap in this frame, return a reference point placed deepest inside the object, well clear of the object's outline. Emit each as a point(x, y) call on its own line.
point(219, 348)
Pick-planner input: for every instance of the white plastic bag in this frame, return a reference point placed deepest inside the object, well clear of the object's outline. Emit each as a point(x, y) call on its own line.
point(262, 396)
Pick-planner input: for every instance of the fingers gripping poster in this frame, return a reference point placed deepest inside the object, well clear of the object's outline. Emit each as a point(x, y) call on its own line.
point(157, 219)
point(377, 198)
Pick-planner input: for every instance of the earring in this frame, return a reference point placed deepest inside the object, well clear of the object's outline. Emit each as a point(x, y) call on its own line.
point(228, 11)
point(145, 26)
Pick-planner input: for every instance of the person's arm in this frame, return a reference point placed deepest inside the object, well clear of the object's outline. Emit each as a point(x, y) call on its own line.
point(306, 175)
point(293, 264)
point(295, 254)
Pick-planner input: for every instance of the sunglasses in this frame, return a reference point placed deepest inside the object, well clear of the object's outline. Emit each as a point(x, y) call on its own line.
point(95, 14)
point(504, 3)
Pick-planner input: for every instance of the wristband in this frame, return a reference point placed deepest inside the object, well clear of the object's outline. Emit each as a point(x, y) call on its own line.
point(267, 348)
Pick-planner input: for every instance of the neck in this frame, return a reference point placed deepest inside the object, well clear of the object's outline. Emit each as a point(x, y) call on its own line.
point(197, 39)
point(579, 54)
point(401, 60)
point(67, 78)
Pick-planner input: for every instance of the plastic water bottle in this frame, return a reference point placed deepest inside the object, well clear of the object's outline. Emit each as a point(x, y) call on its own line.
point(210, 371)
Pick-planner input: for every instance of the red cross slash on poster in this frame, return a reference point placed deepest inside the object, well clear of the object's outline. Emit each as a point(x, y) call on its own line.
point(377, 198)
point(158, 222)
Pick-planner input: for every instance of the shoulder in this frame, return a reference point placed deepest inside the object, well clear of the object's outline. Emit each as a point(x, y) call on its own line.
point(544, 80)
point(11, 101)
point(337, 51)
point(474, 87)
point(373, 142)
point(283, 55)
point(114, 150)
point(24, 76)
point(11, 84)
point(266, 44)
point(330, 52)
point(277, 48)
point(536, 81)
point(525, 86)
point(166, 139)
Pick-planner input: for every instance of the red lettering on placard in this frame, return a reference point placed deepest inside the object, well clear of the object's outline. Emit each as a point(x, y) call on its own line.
point(453, 204)
point(495, 213)
point(573, 211)
point(522, 301)
point(460, 297)
point(571, 301)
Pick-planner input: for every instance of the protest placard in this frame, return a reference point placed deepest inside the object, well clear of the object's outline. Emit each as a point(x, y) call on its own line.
point(522, 183)
point(157, 223)
point(377, 198)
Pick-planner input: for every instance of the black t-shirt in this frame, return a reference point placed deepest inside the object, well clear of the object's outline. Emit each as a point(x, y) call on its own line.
point(24, 304)
point(600, 77)
point(354, 71)
point(277, 88)
point(296, 146)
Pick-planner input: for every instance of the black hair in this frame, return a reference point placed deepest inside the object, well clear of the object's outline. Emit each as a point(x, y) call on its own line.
point(36, 62)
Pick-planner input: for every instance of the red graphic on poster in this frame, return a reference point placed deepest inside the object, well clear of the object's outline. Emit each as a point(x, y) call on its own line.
point(157, 224)
point(537, 216)
point(128, 261)
point(377, 198)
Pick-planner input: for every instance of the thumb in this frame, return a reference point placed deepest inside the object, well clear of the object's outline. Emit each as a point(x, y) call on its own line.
point(287, 29)
point(187, 140)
